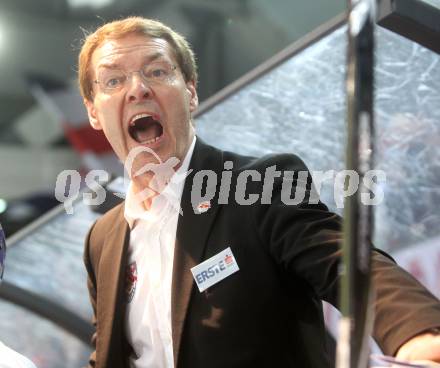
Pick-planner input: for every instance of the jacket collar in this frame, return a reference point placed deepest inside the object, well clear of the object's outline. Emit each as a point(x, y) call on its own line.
point(193, 229)
point(110, 298)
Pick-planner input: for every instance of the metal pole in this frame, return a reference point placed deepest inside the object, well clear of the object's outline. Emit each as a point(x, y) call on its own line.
point(356, 292)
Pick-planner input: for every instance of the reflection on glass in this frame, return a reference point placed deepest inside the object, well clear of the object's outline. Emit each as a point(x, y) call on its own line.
point(38, 339)
point(299, 107)
point(49, 260)
point(434, 3)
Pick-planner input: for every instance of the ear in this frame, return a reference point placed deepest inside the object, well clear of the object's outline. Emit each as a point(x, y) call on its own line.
point(194, 99)
point(91, 112)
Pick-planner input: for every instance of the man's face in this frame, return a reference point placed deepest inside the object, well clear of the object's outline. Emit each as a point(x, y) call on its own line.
point(141, 114)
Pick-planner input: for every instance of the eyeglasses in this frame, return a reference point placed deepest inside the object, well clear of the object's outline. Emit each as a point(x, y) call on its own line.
point(2, 252)
point(114, 80)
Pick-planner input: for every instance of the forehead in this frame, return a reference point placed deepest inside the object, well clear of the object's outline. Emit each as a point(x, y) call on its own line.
point(130, 48)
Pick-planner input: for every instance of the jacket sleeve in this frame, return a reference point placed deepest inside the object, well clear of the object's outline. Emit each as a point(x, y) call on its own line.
point(305, 240)
point(91, 285)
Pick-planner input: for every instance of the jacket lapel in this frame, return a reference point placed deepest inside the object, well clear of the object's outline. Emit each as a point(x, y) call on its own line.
point(192, 233)
point(110, 301)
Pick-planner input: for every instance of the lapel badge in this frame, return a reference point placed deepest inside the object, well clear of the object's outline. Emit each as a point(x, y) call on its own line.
point(215, 269)
point(130, 281)
point(204, 206)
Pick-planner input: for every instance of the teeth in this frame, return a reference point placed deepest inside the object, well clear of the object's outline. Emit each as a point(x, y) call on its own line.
point(150, 141)
point(138, 116)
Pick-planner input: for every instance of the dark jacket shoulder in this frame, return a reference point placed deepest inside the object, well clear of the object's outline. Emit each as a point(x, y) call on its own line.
point(282, 161)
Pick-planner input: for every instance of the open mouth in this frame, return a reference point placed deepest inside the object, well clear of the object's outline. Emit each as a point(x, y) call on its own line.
point(145, 129)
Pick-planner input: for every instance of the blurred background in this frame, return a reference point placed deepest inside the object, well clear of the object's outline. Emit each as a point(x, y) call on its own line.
point(39, 43)
point(272, 79)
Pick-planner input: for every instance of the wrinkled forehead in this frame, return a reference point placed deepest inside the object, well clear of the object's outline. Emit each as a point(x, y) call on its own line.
point(131, 49)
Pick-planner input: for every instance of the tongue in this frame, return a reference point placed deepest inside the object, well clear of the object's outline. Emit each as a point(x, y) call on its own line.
point(146, 132)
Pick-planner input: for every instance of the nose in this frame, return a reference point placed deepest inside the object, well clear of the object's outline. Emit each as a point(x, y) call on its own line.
point(138, 88)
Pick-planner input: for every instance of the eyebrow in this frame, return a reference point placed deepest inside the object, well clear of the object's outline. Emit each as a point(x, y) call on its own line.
point(147, 59)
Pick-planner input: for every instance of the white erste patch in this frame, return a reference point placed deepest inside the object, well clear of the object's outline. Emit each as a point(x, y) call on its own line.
point(214, 269)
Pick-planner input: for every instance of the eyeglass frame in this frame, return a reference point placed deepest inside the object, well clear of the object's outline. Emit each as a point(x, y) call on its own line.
point(128, 75)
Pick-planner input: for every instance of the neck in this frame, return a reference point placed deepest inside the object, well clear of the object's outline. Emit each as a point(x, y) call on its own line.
point(144, 192)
